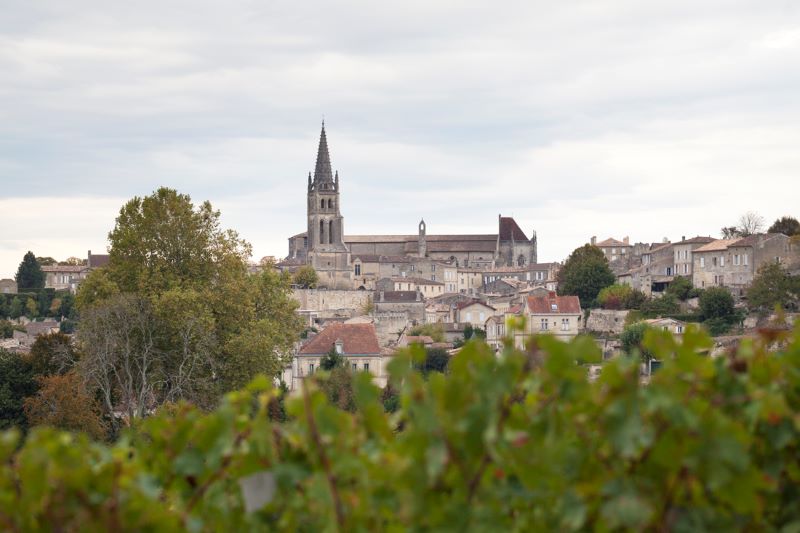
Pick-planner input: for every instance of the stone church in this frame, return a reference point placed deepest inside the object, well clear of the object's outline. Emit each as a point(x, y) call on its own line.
point(325, 246)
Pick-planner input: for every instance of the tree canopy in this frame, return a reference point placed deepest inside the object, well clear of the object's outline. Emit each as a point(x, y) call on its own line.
point(177, 302)
point(789, 226)
point(29, 274)
point(584, 274)
point(306, 277)
point(773, 286)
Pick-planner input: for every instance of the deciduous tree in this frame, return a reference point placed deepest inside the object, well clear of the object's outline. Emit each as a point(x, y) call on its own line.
point(62, 401)
point(772, 287)
point(584, 274)
point(306, 277)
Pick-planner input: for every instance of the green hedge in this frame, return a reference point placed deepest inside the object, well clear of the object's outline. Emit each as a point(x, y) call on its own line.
point(518, 442)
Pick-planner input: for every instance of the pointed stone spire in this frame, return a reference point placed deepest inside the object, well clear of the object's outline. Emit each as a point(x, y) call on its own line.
point(322, 172)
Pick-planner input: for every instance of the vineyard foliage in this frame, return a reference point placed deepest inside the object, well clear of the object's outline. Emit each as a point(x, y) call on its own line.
point(521, 441)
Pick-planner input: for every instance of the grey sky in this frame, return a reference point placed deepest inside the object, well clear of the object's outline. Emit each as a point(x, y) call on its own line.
point(648, 119)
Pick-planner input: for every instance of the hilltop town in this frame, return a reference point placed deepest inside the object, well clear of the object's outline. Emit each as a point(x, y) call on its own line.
point(366, 296)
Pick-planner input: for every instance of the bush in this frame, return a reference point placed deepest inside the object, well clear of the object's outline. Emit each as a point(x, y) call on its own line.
point(632, 340)
point(523, 441)
point(680, 288)
point(666, 305)
point(717, 302)
point(621, 297)
point(434, 331)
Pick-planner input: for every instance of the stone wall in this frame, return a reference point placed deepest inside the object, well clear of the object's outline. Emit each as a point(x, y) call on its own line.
point(332, 300)
point(606, 321)
point(388, 326)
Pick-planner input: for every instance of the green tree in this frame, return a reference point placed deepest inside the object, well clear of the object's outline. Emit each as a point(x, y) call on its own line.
point(434, 331)
point(661, 306)
point(331, 360)
point(16, 308)
point(436, 360)
point(17, 381)
point(97, 287)
point(772, 287)
point(52, 354)
point(632, 340)
point(621, 297)
point(789, 226)
point(584, 274)
point(31, 308)
point(163, 241)
point(306, 277)
point(717, 302)
point(29, 274)
point(681, 288)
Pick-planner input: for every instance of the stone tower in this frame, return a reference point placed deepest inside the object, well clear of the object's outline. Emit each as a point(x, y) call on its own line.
point(327, 252)
point(422, 245)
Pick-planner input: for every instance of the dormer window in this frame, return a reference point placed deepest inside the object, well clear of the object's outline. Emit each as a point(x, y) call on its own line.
point(339, 346)
point(554, 307)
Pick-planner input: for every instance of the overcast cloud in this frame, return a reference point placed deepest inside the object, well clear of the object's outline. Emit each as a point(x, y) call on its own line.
point(607, 118)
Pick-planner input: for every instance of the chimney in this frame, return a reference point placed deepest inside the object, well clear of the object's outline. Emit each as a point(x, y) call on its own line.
point(683, 237)
point(626, 240)
point(594, 240)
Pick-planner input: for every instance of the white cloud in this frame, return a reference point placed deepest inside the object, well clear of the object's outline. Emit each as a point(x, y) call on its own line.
point(576, 117)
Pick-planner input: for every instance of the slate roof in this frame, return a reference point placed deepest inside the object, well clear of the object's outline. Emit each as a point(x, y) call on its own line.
point(697, 240)
point(752, 240)
point(357, 339)
point(397, 297)
point(543, 305)
point(97, 260)
point(510, 230)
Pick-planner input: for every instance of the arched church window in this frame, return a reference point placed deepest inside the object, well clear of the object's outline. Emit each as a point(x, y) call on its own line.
point(521, 260)
point(330, 204)
point(322, 232)
point(330, 232)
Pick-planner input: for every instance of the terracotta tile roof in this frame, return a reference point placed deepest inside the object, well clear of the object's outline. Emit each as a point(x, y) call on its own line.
point(514, 309)
point(611, 242)
point(716, 246)
point(463, 305)
point(357, 339)
point(544, 305)
point(509, 229)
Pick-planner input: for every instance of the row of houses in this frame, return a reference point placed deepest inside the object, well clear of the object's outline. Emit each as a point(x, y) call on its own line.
point(62, 277)
point(707, 262)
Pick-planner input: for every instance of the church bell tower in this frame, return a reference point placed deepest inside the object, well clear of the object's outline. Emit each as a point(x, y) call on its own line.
point(327, 252)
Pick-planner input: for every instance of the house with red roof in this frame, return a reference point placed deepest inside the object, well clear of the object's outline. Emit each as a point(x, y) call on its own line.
point(550, 314)
point(357, 343)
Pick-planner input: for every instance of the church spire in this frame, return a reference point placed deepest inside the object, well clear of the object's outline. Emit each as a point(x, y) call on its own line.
point(322, 172)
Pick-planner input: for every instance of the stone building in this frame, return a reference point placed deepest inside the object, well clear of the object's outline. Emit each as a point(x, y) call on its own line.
point(411, 303)
point(684, 263)
point(734, 263)
point(553, 314)
point(618, 253)
point(356, 343)
point(8, 286)
point(325, 246)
